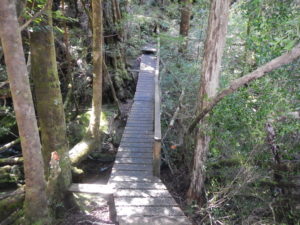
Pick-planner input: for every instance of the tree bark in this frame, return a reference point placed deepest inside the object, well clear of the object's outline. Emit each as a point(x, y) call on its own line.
point(49, 103)
point(214, 48)
point(185, 24)
point(36, 209)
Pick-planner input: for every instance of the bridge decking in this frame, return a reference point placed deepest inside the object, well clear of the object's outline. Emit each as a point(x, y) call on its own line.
point(140, 198)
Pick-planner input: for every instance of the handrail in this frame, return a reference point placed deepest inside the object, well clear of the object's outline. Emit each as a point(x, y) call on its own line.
point(157, 100)
point(157, 123)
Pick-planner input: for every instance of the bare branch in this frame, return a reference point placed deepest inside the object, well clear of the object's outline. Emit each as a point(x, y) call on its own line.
point(284, 59)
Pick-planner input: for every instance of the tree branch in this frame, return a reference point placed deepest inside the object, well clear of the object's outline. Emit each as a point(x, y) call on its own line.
point(39, 13)
point(284, 59)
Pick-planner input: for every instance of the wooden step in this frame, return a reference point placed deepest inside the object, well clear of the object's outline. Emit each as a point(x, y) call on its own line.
point(142, 193)
point(148, 201)
point(139, 167)
point(153, 220)
point(149, 211)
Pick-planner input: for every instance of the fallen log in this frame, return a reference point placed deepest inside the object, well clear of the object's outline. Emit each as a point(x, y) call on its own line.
point(10, 144)
point(9, 175)
point(81, 150)
point(11, 203)
point(5, 169)
point(11, 161)
point(13, 217)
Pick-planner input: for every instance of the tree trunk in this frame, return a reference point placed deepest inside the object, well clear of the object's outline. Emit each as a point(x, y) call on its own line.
point(214, 47)
point(94, 127)
point(185, 24)
point(49, 103)
point(36, 209)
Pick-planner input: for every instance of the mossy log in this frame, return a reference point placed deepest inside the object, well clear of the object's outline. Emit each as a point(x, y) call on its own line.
point(9, 174)
point(13, 218)
point(5, 169)
point(81, 150)
point(11, 203)
point(10, 144)
point(11, 161)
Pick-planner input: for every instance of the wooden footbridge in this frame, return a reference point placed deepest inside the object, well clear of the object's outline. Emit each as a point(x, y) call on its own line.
point(140, 197)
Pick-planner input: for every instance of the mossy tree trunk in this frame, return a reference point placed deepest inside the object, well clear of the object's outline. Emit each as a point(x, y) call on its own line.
point(94, 127)
point(36, 208)
point(214, 48)
point(49, 104)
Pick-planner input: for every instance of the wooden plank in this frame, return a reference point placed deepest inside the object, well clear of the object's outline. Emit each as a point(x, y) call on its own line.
point(142, 122)
point(143, 98)
point(139, 167)
point(137, 141)
point(131, 173)
point(143, 104)
point(138, 131)
point(133, 122)
point(142, 193)
point(91, 188)
point(140, 119)
point(136, 201)
point(145, 184)
point(153, 220)
point(137, 135)
point(148, 211)
point(142, 125)
point(139, 145)
point(145, 110)
point(139, 128)
point(129, 154)
point(137, 110)
point(134, 160)
point(141, 116)
point(134, 149)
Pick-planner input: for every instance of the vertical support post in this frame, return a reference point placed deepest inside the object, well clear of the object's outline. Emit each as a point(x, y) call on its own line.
point(156, 158)
point(157, 124)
